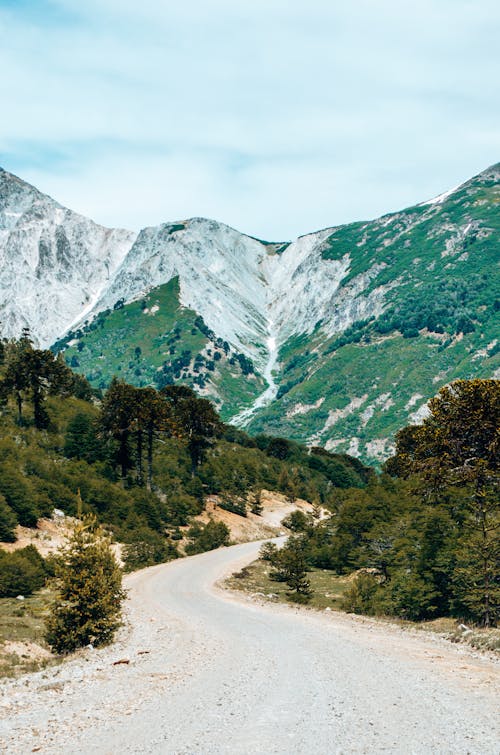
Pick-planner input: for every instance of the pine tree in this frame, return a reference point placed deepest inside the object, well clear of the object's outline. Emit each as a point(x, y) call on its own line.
point(256, 505)
point(87, 608)
point(290, 566)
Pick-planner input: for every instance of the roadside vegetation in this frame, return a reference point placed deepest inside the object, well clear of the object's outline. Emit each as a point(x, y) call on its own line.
point(138, 461)
point(136, 465)
point(422, 539)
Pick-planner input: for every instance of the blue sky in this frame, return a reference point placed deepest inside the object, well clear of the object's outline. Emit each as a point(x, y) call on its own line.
point(275, 117)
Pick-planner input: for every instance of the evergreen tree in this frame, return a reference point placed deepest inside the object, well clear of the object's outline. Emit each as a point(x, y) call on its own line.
point(117, 416)
point(290, 566)
point(87, 608)
point(197, 421)
point(458, 448)
point(81, 440)
point(8, 522)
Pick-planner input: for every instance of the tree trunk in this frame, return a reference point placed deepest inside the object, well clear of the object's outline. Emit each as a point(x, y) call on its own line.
point(140, 478)
point(149, 478)
point(19, 400)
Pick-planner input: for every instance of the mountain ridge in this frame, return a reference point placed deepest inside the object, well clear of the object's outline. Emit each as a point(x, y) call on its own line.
point(263, 326)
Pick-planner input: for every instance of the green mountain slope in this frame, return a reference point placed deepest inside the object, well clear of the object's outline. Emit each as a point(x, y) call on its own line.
point(417, 305)
point(156, 341)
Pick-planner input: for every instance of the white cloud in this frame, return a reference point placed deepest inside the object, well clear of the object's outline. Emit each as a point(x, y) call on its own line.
point(278, 117)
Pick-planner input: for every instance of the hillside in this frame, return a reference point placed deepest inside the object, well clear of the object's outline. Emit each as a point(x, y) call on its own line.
point(336, 339)
point(145, 479)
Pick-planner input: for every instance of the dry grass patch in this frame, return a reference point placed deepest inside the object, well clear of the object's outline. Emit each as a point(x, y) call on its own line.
point(22, 625)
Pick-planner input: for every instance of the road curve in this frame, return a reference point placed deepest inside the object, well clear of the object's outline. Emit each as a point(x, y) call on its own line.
point(209, 673)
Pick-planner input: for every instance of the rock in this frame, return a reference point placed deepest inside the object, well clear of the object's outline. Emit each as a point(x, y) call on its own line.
point(328, 608)
point(20, 597)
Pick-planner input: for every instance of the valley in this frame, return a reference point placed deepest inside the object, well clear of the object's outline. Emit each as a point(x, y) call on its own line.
point(335, 339)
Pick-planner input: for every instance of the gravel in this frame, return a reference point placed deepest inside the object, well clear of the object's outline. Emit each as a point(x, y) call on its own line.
point(199, 670)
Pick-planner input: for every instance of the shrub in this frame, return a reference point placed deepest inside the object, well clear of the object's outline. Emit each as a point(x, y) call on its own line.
point(207, 537)
point(361, 596)
point(21, 572)
point(87, 608)
point(146, 548)
point(268, 552)
point(8, 522)
point(297, 521)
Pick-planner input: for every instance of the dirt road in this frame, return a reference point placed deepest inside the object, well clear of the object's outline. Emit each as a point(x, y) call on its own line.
point(208, 673)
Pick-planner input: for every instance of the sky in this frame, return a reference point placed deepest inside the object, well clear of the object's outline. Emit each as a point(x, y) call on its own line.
point(278, 117)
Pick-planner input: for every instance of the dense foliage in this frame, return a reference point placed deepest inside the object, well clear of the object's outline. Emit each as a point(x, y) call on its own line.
point(426, 533)
point(143, 460)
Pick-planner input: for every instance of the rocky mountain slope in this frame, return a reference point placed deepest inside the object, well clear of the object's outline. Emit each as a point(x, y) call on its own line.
point(337, 338)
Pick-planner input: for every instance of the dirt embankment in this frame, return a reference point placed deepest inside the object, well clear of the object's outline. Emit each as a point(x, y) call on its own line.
point(244, 529)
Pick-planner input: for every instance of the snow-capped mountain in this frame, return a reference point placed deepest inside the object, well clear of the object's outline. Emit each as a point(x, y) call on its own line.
point(54, 264)
point(349, 329)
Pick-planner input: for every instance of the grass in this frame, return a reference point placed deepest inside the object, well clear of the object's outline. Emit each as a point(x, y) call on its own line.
point(328, 587)
point(24, 622)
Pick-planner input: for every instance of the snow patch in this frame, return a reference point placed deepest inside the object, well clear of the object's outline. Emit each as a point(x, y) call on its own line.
point(440, 198)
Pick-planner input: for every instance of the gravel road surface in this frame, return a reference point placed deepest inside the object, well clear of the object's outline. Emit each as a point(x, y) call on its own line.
point(204, 671)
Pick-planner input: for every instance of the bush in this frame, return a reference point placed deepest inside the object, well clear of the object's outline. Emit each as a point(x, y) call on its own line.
point(297, 521)
point(361, 596)
point(21, 572)
point(87, 608)
point(19, 496)
point(268, 551)
point(233, 504)
point(207, 537)
point(8, 522)
point(146, 548)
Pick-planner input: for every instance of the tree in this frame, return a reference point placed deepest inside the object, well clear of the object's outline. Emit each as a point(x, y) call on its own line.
point(256, 506)
point(116, 418)
point(39, 373)
point(197, 420)
point(290, 566)
point(81, 440)
point(457, 448)
point(87, 608)
point(153, 416)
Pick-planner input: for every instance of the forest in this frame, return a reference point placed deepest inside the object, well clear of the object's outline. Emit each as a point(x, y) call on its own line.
point(141, 460)
point(422, 534)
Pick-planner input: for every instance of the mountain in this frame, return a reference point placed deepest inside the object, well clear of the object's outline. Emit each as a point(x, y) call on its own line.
point(54, 264)
point(336, 339)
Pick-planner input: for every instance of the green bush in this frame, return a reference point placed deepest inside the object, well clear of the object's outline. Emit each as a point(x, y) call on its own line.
point(361, 596)
point(87, 608)
point(8, 522)
point(145, 548)
point(207, 537)
point(21, 572)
